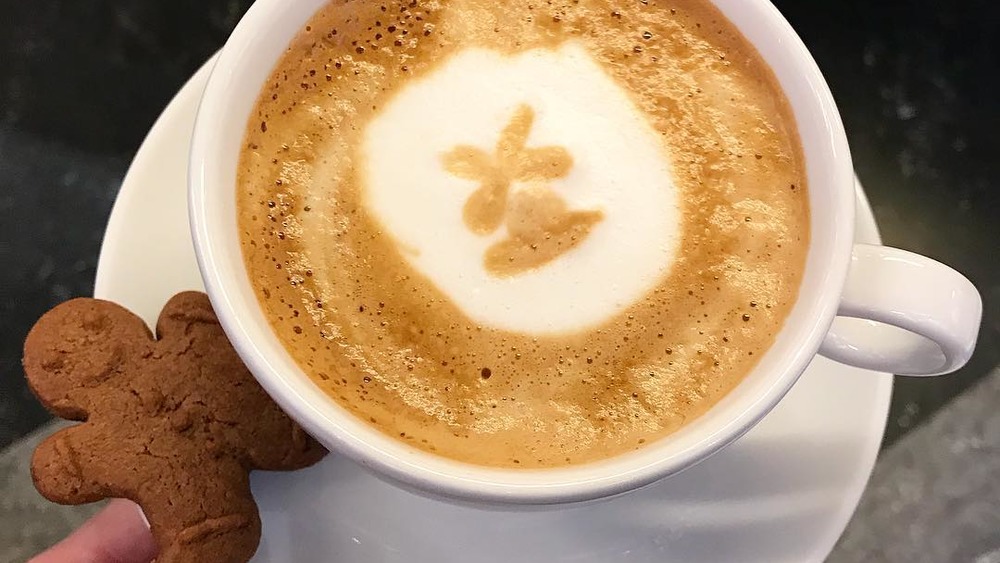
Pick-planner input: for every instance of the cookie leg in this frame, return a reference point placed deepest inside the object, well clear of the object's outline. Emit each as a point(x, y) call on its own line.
point(231, 538)
point(208, 515)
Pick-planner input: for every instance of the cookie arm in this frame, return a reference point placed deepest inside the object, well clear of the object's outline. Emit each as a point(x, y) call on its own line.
point(62, 473)
point(284, 445)
point(269, 439)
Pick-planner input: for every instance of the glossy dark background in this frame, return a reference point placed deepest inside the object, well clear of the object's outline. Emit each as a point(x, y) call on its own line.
point(81, 82)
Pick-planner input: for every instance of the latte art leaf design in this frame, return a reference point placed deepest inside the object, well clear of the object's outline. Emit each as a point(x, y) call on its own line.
point(540, 228)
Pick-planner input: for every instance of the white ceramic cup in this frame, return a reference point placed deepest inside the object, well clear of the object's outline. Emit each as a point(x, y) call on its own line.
point(928, 313)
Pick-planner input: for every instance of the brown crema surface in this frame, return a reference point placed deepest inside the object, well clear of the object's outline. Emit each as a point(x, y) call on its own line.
point(387, 345)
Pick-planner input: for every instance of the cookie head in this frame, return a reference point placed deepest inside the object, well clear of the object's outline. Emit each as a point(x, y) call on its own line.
point(76, 349)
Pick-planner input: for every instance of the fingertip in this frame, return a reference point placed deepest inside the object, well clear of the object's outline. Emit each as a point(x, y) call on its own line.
point(117, 534)
point(142, 515)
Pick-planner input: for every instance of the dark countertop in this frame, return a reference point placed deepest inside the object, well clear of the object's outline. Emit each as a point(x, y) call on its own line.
point(916, 85)
point(80, 84)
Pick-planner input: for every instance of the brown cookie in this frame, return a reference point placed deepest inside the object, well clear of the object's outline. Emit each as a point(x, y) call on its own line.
point(173, 423)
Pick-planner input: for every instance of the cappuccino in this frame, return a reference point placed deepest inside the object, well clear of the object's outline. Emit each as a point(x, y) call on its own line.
point(524, 234)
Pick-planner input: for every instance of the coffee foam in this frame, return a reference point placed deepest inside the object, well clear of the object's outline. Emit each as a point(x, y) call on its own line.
point(618, 169)
point(347, 295)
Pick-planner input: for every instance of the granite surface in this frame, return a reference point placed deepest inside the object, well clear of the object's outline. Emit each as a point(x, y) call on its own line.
point(81, 82)
point(53, 199)
point(934, 495)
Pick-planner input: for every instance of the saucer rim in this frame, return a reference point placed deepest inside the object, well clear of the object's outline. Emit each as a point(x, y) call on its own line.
point(184, 104)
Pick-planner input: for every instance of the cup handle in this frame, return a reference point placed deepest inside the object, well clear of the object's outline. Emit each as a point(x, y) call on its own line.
point(904, 313)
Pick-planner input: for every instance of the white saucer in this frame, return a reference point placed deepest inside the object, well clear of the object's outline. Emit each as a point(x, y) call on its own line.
point(784, 492)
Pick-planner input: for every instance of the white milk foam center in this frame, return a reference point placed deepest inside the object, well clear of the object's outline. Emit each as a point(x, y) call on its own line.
point(619, 168)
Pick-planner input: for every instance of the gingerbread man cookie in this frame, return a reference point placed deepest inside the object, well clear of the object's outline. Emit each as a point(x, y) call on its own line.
point(173, 423)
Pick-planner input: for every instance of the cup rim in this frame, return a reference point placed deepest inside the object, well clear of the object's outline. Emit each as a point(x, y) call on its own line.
point(342, 431)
